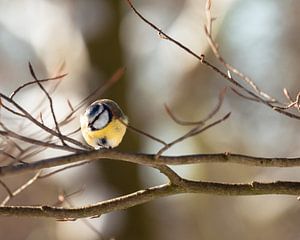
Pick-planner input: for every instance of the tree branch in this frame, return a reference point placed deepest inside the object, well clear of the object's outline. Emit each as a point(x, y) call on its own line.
point(259, 97)
point(150, 194)
point(149, 160)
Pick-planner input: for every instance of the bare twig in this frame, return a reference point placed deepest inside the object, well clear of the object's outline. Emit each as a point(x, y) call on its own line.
point(194, 131)
point(12, 111)
point(50, 103)
point(6, 188)
point(87, 223)
point(2, 152)
point(242, 95)
point(63, 169)
point(134, 129)
point(65, 196)
point(287, 94)
point(261, 97)
point(12, 134)
point(70, 105)
point(96, 93)
point(34, 82)
point(215, 49)
point(73, 132)
point(21, 189)
point(292, 103)
point(28, 116)
point(201, 122)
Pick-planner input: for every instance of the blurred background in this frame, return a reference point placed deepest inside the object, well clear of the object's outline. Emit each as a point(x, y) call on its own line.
point(96, 37)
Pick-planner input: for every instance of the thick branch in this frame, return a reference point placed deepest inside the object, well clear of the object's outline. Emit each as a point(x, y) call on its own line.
point(143, 196)
point(149, 160)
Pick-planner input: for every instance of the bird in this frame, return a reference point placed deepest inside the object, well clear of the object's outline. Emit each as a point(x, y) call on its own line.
point(103, 124)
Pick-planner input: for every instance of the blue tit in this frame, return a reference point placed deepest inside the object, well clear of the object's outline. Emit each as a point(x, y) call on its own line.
point(101, 124)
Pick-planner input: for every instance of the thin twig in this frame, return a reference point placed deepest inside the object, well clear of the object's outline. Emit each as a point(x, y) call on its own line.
point(73, 132)
point(96, 93)
point(34, 82)
point(192, 132)
point(242, 95)
point(291, 103)
point(12, 111)
point(21, 189)
point(15, 144)
point(9, 133)
point(134, 129)
point(63, 169)
point(41, 102)
point(287, 95)
point(6, 188)
point(201, 122)
point(70, 105)
point(213, 67)
point(87, 223)
point(28, 116)
point(64, 196)
point(50, 103)
point(2, 152)
point(31, 151)
point(213, 45)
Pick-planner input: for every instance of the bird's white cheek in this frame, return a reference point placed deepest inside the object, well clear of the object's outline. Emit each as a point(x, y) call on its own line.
point(83, 121)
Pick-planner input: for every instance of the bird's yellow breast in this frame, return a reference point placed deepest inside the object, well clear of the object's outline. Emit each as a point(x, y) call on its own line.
point(113, 133)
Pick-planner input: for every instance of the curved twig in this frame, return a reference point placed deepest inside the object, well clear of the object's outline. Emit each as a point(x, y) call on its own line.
point(201, 122)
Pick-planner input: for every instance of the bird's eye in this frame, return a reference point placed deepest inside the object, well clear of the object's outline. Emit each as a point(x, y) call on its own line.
point(102, 142)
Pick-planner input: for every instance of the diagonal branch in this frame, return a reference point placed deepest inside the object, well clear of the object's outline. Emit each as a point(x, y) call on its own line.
point(150, 194)
point(50, 103)
point(96, 93)
point(214, 68)
point(33, 82)
point(28, 116)
point(215, 49)
point(33, 141)
point(6, 188)
point(20, 189)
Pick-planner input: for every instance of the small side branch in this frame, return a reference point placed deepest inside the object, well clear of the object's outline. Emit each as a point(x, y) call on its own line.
point(194, 131)
point(50, 103)
point(20, 189)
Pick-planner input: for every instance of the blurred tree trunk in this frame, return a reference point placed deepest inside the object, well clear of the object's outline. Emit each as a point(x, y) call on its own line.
point(106, 55)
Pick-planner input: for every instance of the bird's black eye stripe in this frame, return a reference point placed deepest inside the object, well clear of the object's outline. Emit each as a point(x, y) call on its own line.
point(93, 109)
point(109, 112)
point(105, 108)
